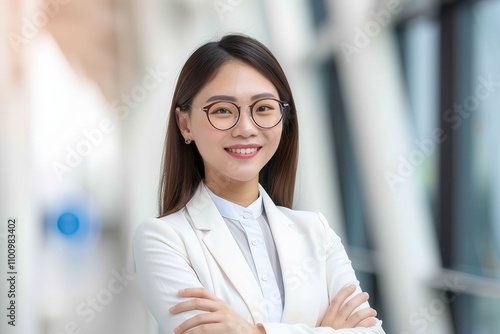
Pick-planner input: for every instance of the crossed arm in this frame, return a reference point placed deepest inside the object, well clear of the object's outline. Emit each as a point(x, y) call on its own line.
point(163, 269)
point(220, 318)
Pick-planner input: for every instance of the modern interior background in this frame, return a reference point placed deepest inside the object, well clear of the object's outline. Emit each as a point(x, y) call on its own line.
point(398, 104)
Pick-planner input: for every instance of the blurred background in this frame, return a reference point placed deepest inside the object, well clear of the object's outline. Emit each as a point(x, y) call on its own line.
point(398, 105)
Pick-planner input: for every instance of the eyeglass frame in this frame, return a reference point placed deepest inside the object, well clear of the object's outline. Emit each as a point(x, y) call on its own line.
point(283, 107)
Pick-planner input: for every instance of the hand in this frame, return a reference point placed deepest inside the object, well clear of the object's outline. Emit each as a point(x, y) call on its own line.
point(338, 317)
point(219, 319)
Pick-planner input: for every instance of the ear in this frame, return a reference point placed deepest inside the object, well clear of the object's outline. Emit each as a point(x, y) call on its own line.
point(183, 122)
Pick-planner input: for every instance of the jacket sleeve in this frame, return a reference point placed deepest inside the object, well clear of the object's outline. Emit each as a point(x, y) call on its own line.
point(162, 268)
point(339, 273)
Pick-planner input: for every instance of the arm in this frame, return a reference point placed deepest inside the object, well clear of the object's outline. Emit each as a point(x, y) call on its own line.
point(163, 268)
point(348, 307)
point(222, 319)
point(339, 274)
point(171, 288)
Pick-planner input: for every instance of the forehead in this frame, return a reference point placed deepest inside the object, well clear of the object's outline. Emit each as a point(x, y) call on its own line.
point(239, 80)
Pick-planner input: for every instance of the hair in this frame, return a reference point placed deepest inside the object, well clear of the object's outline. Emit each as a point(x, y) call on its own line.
point(182, 165)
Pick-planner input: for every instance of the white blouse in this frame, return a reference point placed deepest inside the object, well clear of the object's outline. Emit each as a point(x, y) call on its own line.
point(250, 229)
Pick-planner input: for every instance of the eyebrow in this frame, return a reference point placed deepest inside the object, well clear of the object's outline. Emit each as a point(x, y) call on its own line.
point(233, 99)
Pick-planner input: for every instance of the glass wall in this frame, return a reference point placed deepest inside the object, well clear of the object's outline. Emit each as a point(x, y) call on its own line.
point(477, 154)
point(452, 81)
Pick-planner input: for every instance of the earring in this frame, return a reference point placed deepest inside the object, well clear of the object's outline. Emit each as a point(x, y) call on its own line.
point(187, 141)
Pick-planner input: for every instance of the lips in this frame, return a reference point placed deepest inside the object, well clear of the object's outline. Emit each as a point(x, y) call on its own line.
point(242, 150)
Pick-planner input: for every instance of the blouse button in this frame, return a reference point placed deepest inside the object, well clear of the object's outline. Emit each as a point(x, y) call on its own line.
point(264, 277)
point(254, 242)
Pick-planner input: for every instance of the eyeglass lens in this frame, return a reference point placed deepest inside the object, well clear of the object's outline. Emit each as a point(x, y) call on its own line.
point(266, 113)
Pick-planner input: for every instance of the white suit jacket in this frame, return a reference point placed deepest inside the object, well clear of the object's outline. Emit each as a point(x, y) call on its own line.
point(194, 248)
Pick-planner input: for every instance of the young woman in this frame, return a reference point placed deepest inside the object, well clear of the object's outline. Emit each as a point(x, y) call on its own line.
point(227, 254)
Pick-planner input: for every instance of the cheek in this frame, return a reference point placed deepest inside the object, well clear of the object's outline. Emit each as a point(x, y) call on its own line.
point(207, 140)
point(206, 146)
point(201, 130)
point(275, 135)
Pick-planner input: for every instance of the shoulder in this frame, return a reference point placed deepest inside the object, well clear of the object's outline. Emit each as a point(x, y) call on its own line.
point(169, 221)
point(304, 222)
point(167, 229)
point(299, 214)
point(307, 221)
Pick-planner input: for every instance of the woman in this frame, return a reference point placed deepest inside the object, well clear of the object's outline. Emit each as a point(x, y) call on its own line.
point(227, 254)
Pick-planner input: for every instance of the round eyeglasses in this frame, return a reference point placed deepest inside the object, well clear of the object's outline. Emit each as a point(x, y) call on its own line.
point(266, 113)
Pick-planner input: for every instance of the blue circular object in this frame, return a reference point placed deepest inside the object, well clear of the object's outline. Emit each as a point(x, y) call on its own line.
point(68, 223)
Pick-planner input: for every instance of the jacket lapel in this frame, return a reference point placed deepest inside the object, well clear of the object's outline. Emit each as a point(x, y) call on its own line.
point(293, 246)
point(224, 249)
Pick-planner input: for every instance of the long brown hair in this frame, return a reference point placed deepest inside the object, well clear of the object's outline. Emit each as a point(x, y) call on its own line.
point(183, 168)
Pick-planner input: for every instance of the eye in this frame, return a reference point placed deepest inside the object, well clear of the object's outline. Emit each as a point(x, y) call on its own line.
point(264, 108)
point(221, 111)
point(266, 105)
point(223, 108)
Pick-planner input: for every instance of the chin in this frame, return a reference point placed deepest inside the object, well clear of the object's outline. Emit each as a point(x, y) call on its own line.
point(244, 176)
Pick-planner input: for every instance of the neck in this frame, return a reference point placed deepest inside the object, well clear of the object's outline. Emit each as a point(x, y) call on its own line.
point(242, 193)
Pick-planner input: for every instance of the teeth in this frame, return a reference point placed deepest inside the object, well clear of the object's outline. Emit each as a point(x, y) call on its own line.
point(243, 150)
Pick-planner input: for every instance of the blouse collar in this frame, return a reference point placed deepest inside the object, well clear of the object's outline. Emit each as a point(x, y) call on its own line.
point(234, 211)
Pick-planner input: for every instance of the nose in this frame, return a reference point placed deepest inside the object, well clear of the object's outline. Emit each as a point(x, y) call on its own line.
point(245, 126)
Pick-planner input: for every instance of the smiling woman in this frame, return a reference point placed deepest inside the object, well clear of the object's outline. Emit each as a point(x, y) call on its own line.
point(196, 87)
point(227, 253)
point(246, 146)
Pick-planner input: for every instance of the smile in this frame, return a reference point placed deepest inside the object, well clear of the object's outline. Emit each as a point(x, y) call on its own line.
point(242, 150)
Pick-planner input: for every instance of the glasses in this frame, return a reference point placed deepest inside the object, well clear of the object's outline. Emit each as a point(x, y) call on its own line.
point(266, 113)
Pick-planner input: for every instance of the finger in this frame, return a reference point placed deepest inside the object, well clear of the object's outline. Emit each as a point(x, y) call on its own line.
point(352, 304)
point(208, 329)
point(201, 320)
point(197, 293)
point(195, 304)
point(356, 318)
point(370, 322)
point(337, 301)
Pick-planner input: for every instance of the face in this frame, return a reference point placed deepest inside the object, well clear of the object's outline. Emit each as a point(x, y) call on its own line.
point(237, 154)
